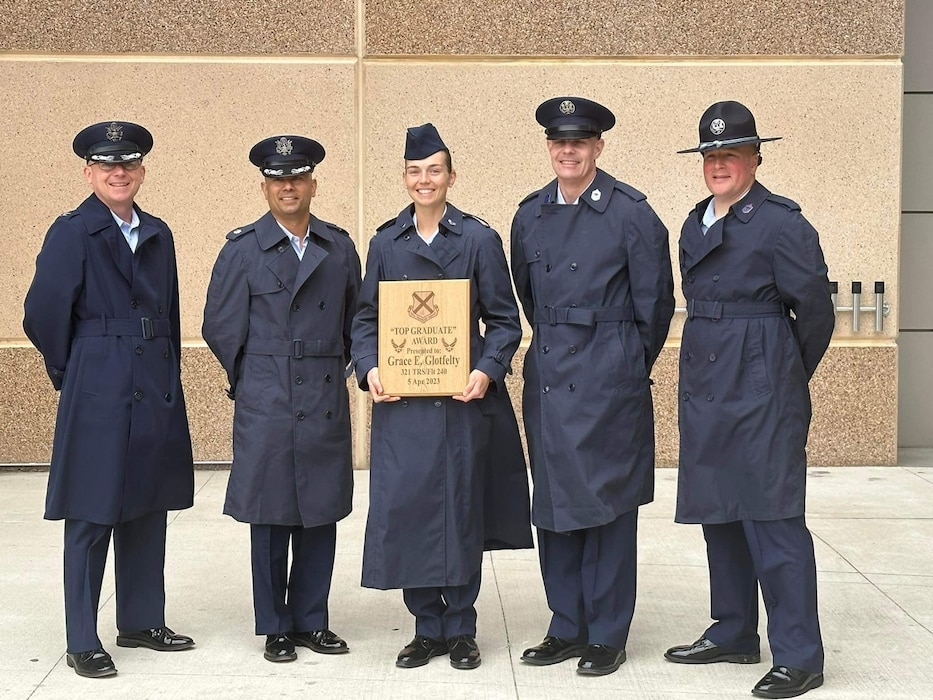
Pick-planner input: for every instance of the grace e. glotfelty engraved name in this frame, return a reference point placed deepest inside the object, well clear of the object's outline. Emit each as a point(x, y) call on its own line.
point(422, 361)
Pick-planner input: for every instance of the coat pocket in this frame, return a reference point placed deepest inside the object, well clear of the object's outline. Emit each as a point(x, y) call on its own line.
point(755, 363)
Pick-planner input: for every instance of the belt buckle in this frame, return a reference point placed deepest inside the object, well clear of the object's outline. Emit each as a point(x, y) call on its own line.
point(551, 315)
point(147, 328)
point(691, 306)
point(717, 310)
point(297, 349)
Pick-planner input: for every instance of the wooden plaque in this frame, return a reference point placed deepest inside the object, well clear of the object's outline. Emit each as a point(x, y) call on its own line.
point(424, 337)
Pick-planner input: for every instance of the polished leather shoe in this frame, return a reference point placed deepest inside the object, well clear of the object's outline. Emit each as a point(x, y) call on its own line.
point(419, 651)
point(92, 664)
point(279, 648)
point(159, 639)
point(464, 653)
point(552, 650)
point(703, 651)
point(600, 660)
point(321, 641)
point(785, 682)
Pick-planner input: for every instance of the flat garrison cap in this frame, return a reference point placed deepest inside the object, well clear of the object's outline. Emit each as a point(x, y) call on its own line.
point(573, 118)
point(727, 124)
point(112, 142)
point(423, 141)
point(286, 156)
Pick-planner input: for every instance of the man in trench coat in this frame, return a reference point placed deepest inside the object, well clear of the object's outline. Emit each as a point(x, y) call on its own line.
point(592, 269)
point(448, 476)
point(279, 306)
point(103, 311)
point(749, 260)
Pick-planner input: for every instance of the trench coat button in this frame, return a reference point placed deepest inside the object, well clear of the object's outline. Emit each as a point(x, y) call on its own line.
point(280, 249)
point(440, 275)
point(712, 357)
point(573, 306)
point(165, 353)
point(407, 236)
point(688, 356)
point(404, 277)
point(299, 379)
point(138, 395)
point(537, 253)
point(715, 278)
point(686, 396)
point(572, 349)
point(328, 378)
point(547, 268)
point(329, 414)
point(709, 397)
point(573, 266)
point(546, 349)
point(300, 415)
point(134, 304)
point(139, 350)
point(167, 397)
point(405, 404)
point(321, 305)
point(161, 309)
point(546, 389)
point(690, 278)
point(296, 307)
point(279, 284)
point(572, 387)
point(437, 404)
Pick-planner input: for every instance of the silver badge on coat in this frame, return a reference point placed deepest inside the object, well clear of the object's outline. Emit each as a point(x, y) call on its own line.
point(596, 195)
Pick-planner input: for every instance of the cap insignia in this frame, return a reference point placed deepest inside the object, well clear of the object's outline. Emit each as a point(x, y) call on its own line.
point(567, 107)
point(115, 132)
point(717, 126)
point(747, 208)
point(595, 196)
point(283, 146)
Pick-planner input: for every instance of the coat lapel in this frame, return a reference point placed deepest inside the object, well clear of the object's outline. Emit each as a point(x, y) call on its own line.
point(284, 265)
point(314, 254)
point(100, 222)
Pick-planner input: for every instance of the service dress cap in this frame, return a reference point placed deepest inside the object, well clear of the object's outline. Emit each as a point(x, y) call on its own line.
point(286, 156)
point(423, 141)
point(727, 124)
point(565, 118)
point(112, 142)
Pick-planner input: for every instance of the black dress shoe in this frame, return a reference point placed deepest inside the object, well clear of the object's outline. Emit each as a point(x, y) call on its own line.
point(92, 664)
point(279, 648)
point(419, 651)
point(464, 653)
point(552, 650)
point(600, 660)
point(785, 682)
point(160, 639)
point(321, 641)
point(703, 651)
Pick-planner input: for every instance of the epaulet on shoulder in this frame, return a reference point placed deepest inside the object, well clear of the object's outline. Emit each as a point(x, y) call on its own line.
point(784, 202)
point(338, 229)
point(385, 225)
point(476, 218)
point(239, 232)
point(528, 198)
point(630, 192)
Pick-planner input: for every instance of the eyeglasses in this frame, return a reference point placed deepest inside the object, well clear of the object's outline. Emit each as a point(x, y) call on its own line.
point(128, 166)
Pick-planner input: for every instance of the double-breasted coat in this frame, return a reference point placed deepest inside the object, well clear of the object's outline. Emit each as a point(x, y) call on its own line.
point(280, 327)
point(447, 479)
point(595, 281)
point(106, 321)
point(745, 362)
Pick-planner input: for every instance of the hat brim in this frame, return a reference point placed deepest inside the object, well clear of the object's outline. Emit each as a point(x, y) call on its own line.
point(572, 135)
point(730, 143)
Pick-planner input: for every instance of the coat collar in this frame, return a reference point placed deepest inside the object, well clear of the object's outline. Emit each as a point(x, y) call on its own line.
point(446, 246)
point(596, 196)
point(451, 222)
point(270, 234)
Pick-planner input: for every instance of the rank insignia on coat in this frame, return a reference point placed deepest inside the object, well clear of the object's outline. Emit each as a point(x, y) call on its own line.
point(450, 222)
point(717, 126)
point(283, 146)
point(596, 195)
point(747, 208)
point(115, 132)
point(567, 107)
point(422, 306)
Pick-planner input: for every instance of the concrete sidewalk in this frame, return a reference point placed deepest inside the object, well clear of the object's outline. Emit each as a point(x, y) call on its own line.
point(873, 529)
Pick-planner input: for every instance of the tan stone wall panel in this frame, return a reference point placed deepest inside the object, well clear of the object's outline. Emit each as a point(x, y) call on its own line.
point(635, 28)
point(204, 118)
point(178, 26)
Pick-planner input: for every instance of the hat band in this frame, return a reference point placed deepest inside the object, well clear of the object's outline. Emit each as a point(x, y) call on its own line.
point(706, 145)
point(584, 127)
point(122, 157)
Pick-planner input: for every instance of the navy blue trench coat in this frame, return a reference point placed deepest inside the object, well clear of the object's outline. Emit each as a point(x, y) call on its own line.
point(107, 324)
point(447, 479)
point(281, 329)
point(595, 281)
point(745, 362)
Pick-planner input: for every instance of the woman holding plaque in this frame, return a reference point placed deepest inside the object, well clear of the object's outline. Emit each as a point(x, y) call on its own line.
point(437, 498)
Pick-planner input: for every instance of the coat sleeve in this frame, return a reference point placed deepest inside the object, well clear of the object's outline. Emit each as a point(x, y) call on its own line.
point(802, 279)
point(520, 270)
point(497, 308)
point(365, 329)
point(226, 313)
point(651, 279)
point(56, 287)
point(175, 312)
point(351, 300)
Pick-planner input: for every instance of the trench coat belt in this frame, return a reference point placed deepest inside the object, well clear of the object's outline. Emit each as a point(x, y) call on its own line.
point(574, 315)
point(297, 348)
point(145, 328)
point(700, 308)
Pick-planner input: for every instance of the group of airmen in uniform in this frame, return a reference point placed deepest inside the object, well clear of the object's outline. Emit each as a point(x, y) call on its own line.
point(289, 313)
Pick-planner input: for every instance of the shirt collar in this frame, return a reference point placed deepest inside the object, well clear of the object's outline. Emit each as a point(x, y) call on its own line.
point(124, 225)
